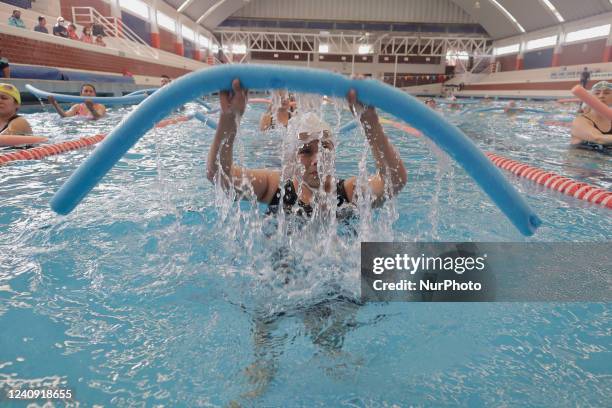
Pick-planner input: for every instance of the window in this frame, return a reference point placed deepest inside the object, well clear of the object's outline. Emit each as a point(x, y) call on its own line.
point(323, 48)
point(508, 49)
point(165, 22)
point(453, 56)
point(137, 7)
point(239, 48)
point(542, 42)
point(187, 33)
point(593, 32)
point(204, 42)
point(365, 49)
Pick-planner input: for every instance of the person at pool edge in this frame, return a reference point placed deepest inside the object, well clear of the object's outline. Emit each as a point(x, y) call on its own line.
point(88, 109)
point(591, 130)
point(268, 120)
point(10, 122)
point(314, 140)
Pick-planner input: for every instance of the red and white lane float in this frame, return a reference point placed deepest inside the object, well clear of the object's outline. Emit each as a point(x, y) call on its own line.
point(43, 151)
point(567, 186)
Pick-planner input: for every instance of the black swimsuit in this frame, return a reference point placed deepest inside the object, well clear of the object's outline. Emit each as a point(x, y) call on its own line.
point(596, 146)
point(8, 122)
point(291, 198)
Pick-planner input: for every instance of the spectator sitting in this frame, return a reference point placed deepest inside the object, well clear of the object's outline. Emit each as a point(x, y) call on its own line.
point(4, 66)
point(86, 36)
point(41, 27)
point(59, 29)
point(15, 20)
point(97, 29)
point(100, 41)
point(72, 34)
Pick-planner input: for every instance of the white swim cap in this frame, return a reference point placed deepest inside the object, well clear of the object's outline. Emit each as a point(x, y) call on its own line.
point(308, 126)
point(601, 85)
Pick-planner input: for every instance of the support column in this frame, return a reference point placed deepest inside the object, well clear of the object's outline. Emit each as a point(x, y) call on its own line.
point(519, 61)
point(556, 58)
point(115, 9)
point(519, 64)
point(155, 40)
point(607, 55)
point(178, 44)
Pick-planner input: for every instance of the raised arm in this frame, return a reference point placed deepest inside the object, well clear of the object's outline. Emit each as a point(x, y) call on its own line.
point(59, 110)
point(220, 157)
point(389, 164)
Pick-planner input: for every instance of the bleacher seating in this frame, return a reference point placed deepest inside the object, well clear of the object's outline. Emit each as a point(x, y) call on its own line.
point(52, 51)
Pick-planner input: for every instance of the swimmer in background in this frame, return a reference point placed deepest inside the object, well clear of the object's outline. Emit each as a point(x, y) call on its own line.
point(10, 122)
point(511, 108)
point(591, 130)
point(283, 114)
point(313, 145)
point(431, 103)
point(165, 80)
point(87, 109)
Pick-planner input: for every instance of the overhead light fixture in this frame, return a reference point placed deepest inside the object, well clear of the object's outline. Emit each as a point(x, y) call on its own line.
point(183, 6)
point(323, 48)
point(476, 4)
point(553, 10)
point(507, 14)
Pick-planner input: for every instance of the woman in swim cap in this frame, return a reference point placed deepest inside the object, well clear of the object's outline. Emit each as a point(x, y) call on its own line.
point(313, 146)
point(10, 122)
point(87, 109)
point(591, 130)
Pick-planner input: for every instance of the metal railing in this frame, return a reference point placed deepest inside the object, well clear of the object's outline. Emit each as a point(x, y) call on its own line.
point(114, 27)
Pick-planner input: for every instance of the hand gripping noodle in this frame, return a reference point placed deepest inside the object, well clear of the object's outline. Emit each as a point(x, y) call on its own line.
point(448, 137)
point(106, 100)
point(592, 101)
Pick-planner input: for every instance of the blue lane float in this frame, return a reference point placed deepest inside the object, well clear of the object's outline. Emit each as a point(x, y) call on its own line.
point(512, 110)
point(147, 91)
point(347, 127)
point(262, 77)
point(455, 102)
point(204, 104)
point(206, 120)
point(106, 100)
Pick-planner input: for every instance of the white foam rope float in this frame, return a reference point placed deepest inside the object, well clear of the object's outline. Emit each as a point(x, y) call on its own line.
point(567, 186)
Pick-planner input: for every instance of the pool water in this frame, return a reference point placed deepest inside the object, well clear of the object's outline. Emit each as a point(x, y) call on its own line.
point(160, 291)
